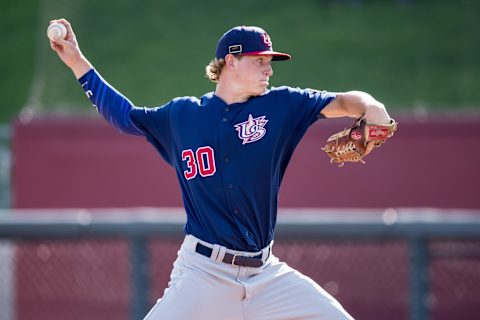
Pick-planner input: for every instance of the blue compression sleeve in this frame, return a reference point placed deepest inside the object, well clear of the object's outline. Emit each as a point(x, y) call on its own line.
point(110, 103)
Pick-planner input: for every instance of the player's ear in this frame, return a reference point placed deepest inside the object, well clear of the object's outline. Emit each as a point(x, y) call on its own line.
point(230, 61)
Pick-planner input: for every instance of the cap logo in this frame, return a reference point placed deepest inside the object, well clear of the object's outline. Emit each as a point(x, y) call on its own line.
point(266, 39)
point(237, 48)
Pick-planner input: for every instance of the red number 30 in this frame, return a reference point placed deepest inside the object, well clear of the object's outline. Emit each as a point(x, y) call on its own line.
point(202, 161)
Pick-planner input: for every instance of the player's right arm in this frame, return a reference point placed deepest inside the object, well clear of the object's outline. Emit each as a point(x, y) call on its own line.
point(110, 103)
point(69, 51)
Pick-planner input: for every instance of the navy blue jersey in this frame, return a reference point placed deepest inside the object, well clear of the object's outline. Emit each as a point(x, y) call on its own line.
point(229, 159)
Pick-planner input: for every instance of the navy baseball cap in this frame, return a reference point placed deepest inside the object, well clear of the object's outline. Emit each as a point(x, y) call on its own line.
point(247, 41)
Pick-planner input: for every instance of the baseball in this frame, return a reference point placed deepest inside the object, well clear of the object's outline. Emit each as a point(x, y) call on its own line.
point(56, 31)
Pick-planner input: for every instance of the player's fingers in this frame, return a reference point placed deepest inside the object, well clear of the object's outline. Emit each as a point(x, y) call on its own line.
point(68, 25)
point(61, 41)
point(64, 43)
point(53, 43)
point(55, 46)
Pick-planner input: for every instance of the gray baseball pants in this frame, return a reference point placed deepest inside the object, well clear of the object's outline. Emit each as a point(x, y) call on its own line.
point(205, 288)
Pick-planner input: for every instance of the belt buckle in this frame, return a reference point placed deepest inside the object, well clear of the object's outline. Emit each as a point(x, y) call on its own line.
point(233, 259)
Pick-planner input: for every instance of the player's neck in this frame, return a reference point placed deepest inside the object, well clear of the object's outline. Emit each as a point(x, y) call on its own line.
point(229, 94)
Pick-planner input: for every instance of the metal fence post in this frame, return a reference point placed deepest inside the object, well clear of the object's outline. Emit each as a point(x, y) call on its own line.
point(5, 166)
point(140, 277)
point(419, 279)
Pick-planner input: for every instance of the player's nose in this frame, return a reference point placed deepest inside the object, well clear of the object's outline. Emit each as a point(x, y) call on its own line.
point(269, 71)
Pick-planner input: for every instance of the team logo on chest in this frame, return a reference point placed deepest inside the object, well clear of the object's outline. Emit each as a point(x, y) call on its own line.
point(251, 130)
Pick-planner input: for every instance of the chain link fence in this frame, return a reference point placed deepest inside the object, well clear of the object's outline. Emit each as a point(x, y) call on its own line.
point(97, 269)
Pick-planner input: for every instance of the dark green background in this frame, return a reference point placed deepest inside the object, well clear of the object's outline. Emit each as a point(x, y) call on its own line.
point(408, 54)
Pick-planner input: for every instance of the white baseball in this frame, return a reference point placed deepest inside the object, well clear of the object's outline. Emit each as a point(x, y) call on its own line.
point(56, 31)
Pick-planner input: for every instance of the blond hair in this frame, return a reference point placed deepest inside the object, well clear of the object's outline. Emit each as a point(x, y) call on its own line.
point(214, 68)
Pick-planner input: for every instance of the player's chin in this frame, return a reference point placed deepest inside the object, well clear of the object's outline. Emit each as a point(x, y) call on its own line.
point(262, 86)
point(259, 92)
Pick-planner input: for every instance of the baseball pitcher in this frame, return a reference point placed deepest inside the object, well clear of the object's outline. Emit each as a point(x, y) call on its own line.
point(230, 149)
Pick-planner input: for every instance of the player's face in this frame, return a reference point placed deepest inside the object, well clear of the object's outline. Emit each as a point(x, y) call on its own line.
point(254, 73)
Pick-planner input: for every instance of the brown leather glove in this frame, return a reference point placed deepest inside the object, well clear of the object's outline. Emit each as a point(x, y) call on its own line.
point(353, 144)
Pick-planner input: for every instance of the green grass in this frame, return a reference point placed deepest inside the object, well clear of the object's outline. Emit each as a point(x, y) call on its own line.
point(424, 54)
point(17, 31)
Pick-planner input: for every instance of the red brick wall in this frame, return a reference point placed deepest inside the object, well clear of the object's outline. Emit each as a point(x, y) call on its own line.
point(86, 163)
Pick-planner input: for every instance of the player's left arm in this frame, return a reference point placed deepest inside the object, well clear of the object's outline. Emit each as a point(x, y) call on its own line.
point(372, 127)
point(357, 104)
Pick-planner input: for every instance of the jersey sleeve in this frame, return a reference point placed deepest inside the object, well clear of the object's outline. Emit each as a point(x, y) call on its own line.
point(124, 116)
point(110, 103)
point(308, 103)
point(155, 124)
